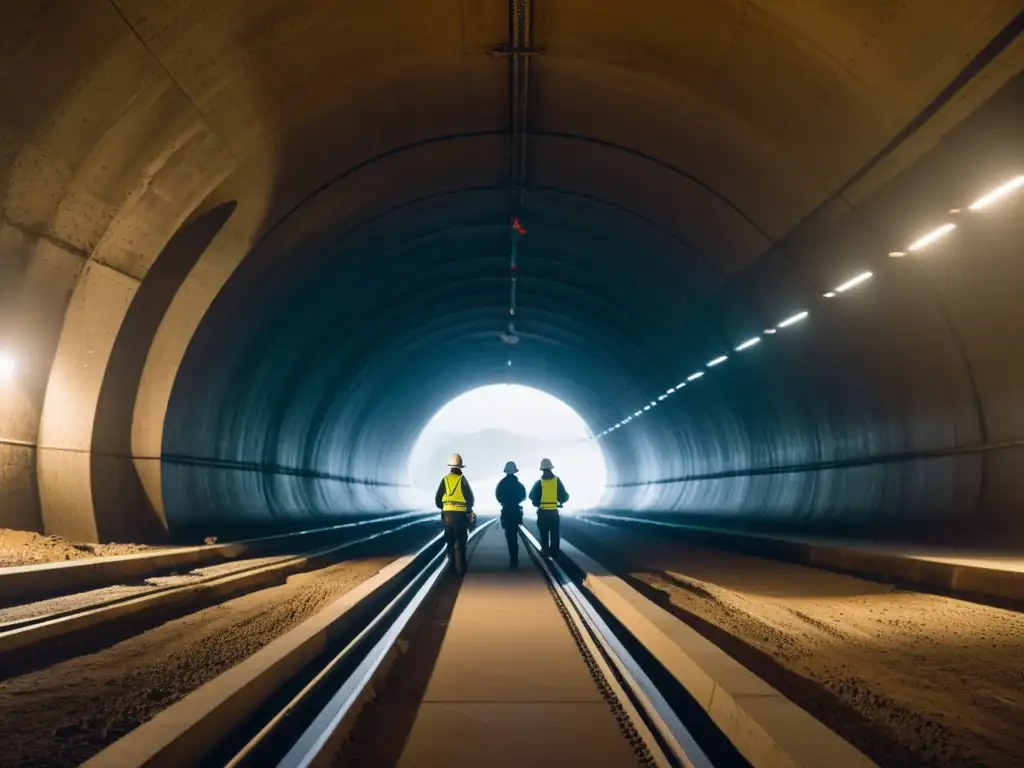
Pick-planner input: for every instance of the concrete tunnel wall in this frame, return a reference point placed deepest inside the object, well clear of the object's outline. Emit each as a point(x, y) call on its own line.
point(217, 272)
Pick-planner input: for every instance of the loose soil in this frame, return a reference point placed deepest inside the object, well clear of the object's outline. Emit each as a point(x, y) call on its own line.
point(62, 715)
point(911, 679)
point(29, 548)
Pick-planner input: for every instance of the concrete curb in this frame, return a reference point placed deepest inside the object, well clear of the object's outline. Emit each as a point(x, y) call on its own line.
point(26, 583)
point(766, 728)
point(964, 575)
point(967, 579)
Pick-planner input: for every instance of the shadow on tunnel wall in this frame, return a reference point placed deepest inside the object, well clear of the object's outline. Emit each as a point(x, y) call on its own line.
point(122, 510)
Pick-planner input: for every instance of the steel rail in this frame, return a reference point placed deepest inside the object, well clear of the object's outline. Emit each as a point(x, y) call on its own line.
point(371, 651)
point(667, 738)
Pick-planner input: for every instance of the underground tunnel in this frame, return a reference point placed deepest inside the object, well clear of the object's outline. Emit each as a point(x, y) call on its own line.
point(757, 262)
point(238, 279)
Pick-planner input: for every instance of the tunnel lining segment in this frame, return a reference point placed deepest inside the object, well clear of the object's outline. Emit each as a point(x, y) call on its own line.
point(148, 430)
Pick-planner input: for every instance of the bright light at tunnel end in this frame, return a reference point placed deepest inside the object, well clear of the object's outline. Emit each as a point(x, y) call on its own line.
point(508, 422)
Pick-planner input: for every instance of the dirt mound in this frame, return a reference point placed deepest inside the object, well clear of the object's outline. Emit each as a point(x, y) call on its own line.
point(30, 548)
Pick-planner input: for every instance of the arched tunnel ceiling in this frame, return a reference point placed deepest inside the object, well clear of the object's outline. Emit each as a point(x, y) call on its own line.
point(692, 171)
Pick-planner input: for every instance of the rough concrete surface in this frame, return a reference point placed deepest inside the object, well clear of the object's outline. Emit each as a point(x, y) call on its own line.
point(29, 548)
point(86, 703)
point(911, 679)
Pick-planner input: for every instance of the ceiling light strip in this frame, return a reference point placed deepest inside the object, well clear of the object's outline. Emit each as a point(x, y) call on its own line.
point(929, 238)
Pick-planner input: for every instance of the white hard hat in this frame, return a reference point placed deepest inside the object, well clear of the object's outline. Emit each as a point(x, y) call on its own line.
point(511, 468)
point(546, 464)
point(456, 460)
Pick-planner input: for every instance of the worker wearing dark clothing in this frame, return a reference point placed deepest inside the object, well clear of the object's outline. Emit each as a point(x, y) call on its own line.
point(548, 495)
point(511, 494)
point(455, 499)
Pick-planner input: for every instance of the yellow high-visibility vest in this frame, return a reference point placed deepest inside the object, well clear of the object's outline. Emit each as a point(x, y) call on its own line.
point(453, 499)
point(549, 493)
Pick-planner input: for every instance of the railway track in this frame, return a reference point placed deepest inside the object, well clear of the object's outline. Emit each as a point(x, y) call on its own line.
point(297, 702)
point(29, 641)
point(49, 582)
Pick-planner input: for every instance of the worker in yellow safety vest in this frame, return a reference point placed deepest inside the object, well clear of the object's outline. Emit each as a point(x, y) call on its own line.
point(548, 495)
point(454, 498)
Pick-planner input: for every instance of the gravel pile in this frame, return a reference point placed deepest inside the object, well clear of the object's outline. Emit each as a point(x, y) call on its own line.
point(29, 548)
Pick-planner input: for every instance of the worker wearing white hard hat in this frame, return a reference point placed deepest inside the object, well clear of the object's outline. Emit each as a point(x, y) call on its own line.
point(510, 494)
point(455, 499)
point(548, 495)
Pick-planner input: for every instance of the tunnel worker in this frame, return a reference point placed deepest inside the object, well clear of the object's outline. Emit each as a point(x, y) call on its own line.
point(548, 495)
point(454, 498)
point(510, 494)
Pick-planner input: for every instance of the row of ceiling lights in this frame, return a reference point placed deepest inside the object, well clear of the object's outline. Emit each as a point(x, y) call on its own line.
point(9, 365)
point(921, 243)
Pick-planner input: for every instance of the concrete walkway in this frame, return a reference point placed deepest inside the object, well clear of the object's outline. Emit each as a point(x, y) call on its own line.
point(509, 687)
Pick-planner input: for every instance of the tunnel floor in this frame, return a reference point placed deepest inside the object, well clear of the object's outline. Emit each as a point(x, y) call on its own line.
point(909, 678)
